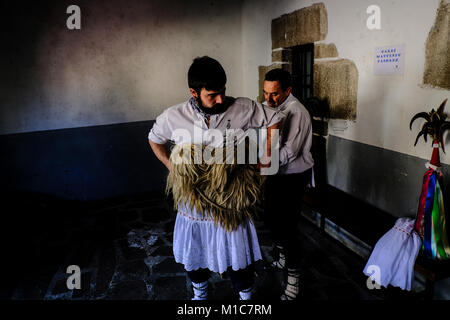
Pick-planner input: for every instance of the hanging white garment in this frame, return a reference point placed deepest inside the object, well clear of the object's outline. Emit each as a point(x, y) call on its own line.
point(393, 257)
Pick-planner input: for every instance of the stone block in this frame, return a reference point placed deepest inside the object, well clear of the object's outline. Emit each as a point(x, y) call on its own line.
point(336, 81)
point(322, 20)
point(437, 54)
point(278, 32)
point(290, 28)
point(306, 25)
point(323, 50)
point(283, 55)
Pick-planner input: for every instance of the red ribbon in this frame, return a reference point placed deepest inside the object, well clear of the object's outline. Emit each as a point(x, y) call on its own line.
point(422, 201)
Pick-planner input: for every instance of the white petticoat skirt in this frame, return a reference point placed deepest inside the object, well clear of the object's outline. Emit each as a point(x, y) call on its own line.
point(198, 243)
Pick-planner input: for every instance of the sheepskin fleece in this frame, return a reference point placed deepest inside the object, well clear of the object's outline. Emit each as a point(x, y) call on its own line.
point(227, 192)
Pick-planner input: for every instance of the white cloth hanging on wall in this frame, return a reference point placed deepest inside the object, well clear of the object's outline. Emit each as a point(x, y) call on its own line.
point(393, 257)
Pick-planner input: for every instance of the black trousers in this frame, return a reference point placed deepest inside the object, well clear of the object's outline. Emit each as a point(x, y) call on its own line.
point(241, 279)
point(283, 204)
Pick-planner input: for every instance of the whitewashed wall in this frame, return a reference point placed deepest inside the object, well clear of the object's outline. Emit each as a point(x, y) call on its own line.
point(128, 62)
point(385, 103)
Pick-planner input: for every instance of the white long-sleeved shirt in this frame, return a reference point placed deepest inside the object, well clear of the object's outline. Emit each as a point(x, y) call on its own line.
point(296, 137)
point(243, 114)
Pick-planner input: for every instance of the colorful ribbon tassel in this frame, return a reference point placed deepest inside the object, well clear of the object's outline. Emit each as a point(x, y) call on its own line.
point(430, 221)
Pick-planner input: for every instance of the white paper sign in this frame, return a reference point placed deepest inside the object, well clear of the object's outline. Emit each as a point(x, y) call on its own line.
point(389, 60)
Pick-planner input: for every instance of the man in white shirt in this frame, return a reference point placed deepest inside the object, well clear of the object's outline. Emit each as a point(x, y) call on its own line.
point(284, 191)
point(198, 243)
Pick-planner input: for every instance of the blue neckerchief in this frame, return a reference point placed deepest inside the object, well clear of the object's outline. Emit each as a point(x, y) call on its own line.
point(217, 109)
point(195, 106)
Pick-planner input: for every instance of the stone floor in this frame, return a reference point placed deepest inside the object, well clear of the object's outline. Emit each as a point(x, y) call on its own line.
point(123, 248)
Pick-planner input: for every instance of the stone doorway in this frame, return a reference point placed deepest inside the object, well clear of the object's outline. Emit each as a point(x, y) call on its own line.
point(334, 80)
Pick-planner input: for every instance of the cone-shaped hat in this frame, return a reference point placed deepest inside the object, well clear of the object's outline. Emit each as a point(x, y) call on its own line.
point(435, 161)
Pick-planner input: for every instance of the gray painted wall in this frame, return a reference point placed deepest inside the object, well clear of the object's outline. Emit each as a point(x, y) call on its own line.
point(128, 62)
point(105, 161)
point(389, 180)
point(82, 163)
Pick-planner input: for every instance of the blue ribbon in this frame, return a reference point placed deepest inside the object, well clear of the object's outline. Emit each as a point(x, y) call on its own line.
point(428, 228)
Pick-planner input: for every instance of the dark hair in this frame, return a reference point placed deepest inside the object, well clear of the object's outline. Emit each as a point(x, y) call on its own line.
point(280, 75)
point(206, 72)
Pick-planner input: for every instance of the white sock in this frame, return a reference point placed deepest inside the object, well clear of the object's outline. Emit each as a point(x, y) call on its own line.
point(200, 290)
point(292, 286)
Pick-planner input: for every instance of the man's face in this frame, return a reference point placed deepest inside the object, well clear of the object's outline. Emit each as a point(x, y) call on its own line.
point(273, 93)
point(209, 98)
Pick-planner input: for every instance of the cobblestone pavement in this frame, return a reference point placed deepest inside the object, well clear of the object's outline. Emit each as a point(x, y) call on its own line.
point(124, 250)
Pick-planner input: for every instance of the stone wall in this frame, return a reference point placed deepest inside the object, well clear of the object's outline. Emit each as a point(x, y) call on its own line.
point(335, 79)
point(437, 60)
point(322, 50)
point(302, 26)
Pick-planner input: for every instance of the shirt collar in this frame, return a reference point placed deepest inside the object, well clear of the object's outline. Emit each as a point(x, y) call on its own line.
point(281, 106)
point(214, 110)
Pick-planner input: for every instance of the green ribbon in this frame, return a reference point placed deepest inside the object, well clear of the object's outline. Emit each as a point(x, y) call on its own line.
point(440, 247)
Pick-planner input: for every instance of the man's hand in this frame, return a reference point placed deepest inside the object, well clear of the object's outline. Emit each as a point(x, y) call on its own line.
point(265, 161)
